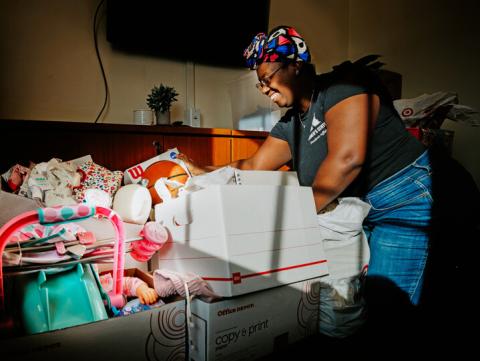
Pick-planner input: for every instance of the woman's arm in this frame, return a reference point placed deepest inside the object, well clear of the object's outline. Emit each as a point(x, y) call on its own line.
point(272, 154)
point(349, 124)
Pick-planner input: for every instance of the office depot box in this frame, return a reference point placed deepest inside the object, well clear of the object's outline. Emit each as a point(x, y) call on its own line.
point(156, 334)
point(243, 238)
point(251, 326)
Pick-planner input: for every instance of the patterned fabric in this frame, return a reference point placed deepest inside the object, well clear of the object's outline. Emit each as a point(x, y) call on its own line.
point(283, 44)
point(65, 213)
point(96, 176)
point(39, 231)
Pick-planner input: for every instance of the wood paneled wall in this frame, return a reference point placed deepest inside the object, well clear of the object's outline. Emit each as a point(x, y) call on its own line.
point(119, 147)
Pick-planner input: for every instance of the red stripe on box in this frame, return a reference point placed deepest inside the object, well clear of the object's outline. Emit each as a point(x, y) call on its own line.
point(231, 279)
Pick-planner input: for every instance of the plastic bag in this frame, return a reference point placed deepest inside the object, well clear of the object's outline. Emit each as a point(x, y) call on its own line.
point(426, 110)
point(430, 110)
point(462, 113)
point(342, 306)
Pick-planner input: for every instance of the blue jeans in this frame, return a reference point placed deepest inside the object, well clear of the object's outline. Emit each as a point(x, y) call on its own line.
point(397, 227)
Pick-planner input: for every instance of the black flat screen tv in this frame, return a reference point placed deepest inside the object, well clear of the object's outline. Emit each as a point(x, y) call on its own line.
point(208, 32)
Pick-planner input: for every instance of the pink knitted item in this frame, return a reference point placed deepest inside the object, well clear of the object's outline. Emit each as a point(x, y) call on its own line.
point(155, 236)
point(167, 283)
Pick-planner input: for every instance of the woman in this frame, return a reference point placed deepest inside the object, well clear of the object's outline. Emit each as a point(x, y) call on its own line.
point(344, 138)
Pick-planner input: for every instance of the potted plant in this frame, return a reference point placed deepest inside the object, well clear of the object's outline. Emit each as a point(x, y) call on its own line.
point(160, 100)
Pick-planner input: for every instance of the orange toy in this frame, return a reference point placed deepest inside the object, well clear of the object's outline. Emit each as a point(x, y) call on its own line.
point(164, 169)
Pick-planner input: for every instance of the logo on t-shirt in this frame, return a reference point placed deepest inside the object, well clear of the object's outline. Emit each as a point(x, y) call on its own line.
point(317, 130)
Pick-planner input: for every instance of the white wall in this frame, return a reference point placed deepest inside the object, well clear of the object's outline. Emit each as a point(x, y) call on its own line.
point(323, 24)
point(50, 70)
point(435, 45)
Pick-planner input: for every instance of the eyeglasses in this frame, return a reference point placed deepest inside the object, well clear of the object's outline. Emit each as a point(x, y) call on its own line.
point(265, 81)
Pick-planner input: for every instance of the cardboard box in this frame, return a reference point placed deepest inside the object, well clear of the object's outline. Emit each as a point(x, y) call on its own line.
point(254, 325)
point(251, 326)
point(157, 334)
point(243, 239)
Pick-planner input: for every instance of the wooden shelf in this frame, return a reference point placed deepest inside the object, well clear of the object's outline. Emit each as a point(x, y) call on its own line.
point(119, 146)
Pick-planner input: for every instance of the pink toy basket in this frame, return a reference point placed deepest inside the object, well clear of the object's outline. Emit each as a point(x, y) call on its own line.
point(61, 215)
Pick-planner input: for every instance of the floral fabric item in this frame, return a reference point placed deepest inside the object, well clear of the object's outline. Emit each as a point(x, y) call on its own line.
point(97, 177)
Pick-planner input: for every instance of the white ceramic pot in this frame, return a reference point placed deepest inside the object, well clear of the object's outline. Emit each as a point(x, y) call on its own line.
point(163, 118)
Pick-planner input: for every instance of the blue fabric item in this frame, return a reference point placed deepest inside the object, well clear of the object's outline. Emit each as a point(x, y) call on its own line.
point(283, 44)
point(397, 227)
point(133, 306)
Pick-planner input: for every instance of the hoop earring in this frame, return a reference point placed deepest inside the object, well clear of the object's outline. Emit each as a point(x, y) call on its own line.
point(297, 72)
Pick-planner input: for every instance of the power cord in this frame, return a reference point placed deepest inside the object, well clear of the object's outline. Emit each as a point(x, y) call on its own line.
point(107, 92)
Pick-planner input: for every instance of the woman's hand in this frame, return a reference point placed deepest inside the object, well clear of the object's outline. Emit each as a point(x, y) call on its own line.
point(192, 168)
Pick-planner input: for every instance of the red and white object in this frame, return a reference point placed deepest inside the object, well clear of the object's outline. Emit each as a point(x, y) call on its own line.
point(243, 239)
point(134, 174)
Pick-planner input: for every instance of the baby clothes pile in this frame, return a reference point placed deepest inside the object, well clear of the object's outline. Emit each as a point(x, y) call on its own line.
point(57, 183)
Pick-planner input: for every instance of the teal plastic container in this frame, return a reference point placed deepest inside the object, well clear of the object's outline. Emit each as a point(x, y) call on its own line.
point(54, 299)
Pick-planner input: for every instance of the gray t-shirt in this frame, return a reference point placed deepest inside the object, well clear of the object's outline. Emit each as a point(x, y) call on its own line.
point(391, 147)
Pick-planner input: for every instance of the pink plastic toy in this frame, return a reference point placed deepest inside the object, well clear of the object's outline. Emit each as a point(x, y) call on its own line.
point(67, 214)
point(154, 237)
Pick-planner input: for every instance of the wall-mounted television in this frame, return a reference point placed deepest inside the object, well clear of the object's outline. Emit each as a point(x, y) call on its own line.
point(208, 32)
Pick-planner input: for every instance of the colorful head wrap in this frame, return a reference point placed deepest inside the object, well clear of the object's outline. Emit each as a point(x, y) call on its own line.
point(283, 44)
